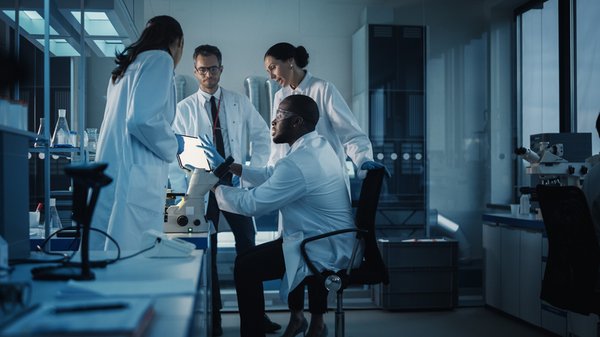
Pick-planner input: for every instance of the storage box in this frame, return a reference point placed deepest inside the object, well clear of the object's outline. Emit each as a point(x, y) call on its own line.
point(423, 274)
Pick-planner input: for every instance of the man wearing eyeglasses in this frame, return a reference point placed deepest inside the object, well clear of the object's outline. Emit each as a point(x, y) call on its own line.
point(237, 129)
point(308, 187)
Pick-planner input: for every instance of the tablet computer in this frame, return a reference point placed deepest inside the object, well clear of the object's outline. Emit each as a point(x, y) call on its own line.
point(192, 154)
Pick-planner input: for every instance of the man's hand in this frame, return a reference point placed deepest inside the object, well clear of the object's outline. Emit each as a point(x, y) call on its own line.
point(372, 165)
point(213, 156)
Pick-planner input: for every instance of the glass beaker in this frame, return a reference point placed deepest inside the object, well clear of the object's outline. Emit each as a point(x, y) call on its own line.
point(62, 134)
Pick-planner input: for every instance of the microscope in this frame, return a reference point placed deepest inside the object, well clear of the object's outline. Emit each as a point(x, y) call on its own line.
point(188, 216)
point(557, 158)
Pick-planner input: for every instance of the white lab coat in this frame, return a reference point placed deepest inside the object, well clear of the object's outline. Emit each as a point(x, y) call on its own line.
point(244, 129)
point(308, 187)
point(336, 123)
point(137, 142)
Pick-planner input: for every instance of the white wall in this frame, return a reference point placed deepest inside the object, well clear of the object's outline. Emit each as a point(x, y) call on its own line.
point(244, 30)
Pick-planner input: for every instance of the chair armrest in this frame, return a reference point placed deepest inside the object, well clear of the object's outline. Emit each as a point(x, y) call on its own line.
point(309, 263)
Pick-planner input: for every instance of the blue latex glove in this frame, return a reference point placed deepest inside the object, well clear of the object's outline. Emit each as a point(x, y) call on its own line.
point(179, 143)
point(372, 165)
point(235, 181)
point(213, 156)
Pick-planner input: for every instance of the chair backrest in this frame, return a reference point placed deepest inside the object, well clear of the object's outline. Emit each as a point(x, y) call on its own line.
point(372, 269)
point(573, 253)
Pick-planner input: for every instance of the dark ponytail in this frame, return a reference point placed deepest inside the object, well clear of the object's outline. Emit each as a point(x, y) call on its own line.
point(160, 32)
point(284, 51)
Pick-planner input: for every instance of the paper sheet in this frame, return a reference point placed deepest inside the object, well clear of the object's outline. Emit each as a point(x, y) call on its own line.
point(128, 288)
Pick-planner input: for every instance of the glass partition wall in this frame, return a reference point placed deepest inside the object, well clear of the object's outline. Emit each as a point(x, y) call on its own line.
point(55, 43)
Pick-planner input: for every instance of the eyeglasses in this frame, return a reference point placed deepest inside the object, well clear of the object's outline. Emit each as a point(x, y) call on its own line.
point(205, 70)
point(283, 114)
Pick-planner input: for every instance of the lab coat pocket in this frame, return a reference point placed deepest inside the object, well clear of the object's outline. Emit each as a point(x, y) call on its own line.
point(146, 188)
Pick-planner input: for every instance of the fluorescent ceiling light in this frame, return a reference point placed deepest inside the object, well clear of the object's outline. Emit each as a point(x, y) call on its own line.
point(96, 23)
point(31, 21)
point(110, 47)
point(60, 47)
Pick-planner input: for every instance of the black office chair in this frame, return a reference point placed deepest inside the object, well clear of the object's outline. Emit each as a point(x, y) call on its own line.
point(571, 275)
point(372, 270)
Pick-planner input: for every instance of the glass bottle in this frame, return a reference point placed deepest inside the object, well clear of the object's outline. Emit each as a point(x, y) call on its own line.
point(39, 140)
point(61, 135)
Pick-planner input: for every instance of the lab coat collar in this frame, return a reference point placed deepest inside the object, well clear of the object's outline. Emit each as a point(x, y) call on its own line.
point(307, 137)
point(204, 97)
point(302, 86)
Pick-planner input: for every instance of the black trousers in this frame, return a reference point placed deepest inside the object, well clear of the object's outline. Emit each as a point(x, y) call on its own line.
point(242, 228)
point(262, 263)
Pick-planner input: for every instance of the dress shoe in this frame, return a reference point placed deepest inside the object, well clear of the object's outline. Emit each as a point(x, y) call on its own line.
point(300, 330)
point(323, 333)
point(270, 326)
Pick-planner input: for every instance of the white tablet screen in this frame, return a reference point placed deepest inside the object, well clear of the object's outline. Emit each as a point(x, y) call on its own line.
point(192, 154)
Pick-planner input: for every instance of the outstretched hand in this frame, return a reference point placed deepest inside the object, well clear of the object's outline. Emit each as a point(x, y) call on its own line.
point(373, 165)
point(213, 156)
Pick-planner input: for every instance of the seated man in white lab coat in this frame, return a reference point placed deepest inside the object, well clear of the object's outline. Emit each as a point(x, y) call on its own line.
point(309, 189)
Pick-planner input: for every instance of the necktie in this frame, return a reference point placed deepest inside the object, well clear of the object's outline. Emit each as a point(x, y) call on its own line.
point(212, 210)
point(217, 135)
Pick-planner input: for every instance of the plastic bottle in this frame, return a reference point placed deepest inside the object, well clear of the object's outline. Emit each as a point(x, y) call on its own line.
point(91, 144)
point(61, 135)
point(39, 140)
point(525, 205)
point(55, 222)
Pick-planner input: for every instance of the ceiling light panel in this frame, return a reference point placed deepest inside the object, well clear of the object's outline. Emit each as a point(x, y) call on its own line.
point(96, 23)
point(30, 21)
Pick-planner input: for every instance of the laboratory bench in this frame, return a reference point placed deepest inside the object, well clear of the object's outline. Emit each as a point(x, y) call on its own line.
point(179, 288)
point(63, 243)
point(515, 253)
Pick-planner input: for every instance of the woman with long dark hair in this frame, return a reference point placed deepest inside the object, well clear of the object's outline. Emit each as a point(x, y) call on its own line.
point(136, 139)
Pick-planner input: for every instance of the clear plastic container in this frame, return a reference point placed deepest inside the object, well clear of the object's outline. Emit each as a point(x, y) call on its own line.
point(525, 204)
point(92, 135)
point(62, 134)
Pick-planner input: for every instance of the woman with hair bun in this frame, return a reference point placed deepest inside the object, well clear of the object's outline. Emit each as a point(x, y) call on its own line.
point(286, 64)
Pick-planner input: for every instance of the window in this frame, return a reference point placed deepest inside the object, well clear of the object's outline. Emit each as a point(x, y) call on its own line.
point(587, 68)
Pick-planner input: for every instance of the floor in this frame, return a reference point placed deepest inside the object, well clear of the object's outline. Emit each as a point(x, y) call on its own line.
point(465, 322)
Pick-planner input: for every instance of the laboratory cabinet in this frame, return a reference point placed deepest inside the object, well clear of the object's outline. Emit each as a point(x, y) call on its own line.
point(388, 99)
point(513, 271)
point(515, 254)
point(423, 274)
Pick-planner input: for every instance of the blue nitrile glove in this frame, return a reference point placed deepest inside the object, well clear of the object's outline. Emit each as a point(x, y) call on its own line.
point(179, 143)
point(213, 156)
point(235, 181)
point(372, 165)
